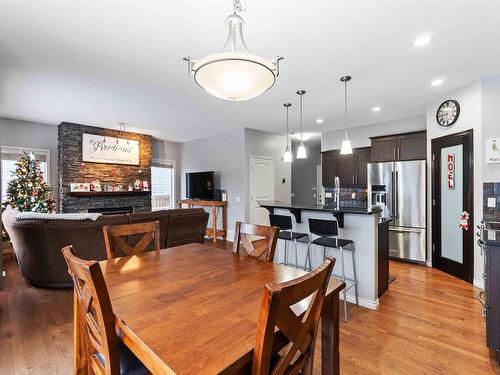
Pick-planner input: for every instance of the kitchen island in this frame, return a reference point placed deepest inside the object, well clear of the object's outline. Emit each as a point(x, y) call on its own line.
point(356, 224)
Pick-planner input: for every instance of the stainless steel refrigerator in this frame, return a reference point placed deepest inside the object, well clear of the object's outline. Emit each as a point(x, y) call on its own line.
point(399, 188)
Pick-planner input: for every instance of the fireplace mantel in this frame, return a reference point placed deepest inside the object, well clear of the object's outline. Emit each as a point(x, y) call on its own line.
point(106, 193)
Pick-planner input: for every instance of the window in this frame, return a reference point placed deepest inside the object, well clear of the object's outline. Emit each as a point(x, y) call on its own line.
point(162, 184)
point(10, 155)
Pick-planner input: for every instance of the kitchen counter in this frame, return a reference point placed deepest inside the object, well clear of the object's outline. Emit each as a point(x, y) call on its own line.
point(350, 210)
point(359, 225)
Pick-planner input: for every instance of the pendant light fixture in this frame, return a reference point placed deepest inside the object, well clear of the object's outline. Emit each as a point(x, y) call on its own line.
point(287, 156)
point(346, 148)
point(234, 73)
point(301, 151)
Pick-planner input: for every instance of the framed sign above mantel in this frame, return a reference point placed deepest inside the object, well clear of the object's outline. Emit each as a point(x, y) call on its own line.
point(109, 150)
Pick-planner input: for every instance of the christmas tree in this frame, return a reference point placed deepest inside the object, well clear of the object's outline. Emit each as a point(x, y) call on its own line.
point(27, 191)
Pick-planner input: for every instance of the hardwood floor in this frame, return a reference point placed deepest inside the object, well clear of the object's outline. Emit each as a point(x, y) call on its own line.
point(428, 323)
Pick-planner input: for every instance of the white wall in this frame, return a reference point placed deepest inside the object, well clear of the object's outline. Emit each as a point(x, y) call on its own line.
point(490, 105)
point(19, 133)
point(258, 143)
point(469, 99)
point(359, 136)
point(225, 155)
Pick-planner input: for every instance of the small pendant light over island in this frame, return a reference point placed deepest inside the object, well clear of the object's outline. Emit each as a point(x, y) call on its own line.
point(287, 156)
point(346, 148)
point(301, 151)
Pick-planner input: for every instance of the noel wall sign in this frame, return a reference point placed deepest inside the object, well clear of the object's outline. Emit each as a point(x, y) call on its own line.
point(111, 150)
point(451, 171)
point(493, 150)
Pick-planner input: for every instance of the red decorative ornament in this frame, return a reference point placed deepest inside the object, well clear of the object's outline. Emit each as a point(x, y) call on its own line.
point(464, 221)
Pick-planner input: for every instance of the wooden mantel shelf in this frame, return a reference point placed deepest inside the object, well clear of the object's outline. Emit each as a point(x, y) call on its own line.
point(106, 193)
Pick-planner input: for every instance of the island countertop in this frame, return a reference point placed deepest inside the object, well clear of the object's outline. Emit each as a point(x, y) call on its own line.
point(344, 210)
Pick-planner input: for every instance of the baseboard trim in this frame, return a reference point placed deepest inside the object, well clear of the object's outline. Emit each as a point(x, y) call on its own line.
point(428, 263)
point(478, 283)
point(230, 235)
point(369, 304)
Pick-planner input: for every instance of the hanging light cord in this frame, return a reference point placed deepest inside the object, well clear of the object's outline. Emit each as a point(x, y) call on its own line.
point(239, 6)
point(287, 127)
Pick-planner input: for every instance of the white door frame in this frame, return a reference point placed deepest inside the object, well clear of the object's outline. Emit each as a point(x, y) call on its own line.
point(251, 195)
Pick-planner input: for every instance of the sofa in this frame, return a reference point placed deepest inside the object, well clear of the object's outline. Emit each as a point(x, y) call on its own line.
point(37, 243)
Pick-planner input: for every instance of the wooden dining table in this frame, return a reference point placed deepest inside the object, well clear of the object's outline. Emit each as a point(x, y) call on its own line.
point(193, 309)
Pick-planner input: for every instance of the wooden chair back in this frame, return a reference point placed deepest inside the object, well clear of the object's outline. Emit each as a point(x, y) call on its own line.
point(98, 320)
point(256, 248)
point(116, 238)
point(297, 356)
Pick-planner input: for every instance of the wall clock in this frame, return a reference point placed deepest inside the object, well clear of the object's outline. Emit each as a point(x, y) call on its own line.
point(447, 113)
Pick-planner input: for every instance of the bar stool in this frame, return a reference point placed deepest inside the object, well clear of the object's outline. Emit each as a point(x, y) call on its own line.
point(327, 232)
point(285, 224)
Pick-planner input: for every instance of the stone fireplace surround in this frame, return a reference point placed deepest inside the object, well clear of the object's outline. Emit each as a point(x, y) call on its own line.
point(72, 169)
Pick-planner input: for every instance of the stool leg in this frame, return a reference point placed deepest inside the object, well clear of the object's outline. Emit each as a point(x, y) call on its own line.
point(344, 292)
point(308, 256)
point(324, 253)
point(296, 254)
point(354, 274)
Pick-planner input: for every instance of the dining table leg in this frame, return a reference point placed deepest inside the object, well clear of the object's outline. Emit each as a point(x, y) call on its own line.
point(330, 354)
point(79, 345)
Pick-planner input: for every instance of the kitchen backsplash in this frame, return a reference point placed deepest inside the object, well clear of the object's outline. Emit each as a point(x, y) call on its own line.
point(349, 197)
point(491, 190)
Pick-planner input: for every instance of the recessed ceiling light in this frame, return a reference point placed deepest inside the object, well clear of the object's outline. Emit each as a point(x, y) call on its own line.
point(422, 40)
point(319, 120)
point(437, 82)
point(376, 109)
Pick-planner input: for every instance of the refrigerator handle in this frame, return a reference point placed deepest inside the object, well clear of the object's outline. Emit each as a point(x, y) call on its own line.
point(393, 209)
point(396, 195)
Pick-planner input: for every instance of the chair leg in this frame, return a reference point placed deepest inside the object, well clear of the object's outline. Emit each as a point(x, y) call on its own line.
point(344, 292)
point(324, 253)
point(296, 254)
point(354, 274)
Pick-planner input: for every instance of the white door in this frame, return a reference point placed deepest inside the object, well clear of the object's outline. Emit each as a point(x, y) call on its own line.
point(261, 188)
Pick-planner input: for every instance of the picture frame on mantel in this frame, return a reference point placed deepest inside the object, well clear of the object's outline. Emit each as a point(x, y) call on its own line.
point(109, 150)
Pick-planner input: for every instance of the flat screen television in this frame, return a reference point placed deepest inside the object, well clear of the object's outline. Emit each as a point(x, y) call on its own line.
point(200, 185)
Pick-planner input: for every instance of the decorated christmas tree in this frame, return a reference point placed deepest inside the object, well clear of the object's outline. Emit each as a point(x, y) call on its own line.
point(28, 191)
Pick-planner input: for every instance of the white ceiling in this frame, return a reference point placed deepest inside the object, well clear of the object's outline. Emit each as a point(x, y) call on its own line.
point(100, 63)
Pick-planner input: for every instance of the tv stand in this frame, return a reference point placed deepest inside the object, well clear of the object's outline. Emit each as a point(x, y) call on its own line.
point(213, 231)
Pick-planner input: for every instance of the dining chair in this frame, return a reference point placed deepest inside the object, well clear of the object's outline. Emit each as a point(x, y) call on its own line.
point(256, 248)
point(106, 353)
point(114, 238)
point(300, 331)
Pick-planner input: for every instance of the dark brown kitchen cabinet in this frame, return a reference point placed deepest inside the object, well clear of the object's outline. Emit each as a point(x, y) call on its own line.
point(347, 169)
point(384, 148)
point(329, 167)
point(407, 146)
point(363, 157)
point(351, 169)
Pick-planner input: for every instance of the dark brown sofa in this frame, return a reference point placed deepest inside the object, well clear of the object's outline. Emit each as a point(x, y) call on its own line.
point(37, 243)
